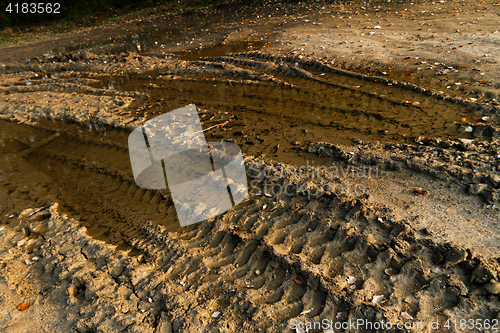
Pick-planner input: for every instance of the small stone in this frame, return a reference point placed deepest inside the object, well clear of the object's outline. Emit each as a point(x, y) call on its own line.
point(379, 299)
point(216, 314)
point(466, 141)
point(406, 316)
point(436, 270)
point(306, 311)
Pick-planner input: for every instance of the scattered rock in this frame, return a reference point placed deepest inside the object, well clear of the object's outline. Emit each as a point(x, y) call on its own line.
point(379, 299)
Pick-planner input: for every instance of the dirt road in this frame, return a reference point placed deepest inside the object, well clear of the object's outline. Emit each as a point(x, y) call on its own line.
point(408, 91)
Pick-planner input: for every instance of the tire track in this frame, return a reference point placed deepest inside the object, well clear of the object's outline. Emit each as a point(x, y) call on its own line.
point(288, 258)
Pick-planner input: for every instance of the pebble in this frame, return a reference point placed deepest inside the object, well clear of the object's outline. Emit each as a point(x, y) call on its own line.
point(406, 316)
point(31, 262)
point(378, 299)
point(466, 141)
point(306, 311)
point(436, 270)
point(216, 314)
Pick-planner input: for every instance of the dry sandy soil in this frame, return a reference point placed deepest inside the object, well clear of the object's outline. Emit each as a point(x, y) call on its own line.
point(398, 101)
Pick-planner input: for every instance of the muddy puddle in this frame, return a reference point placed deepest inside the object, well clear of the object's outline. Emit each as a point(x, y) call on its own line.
point(148, 44)
point(300, 106)
point(217, 50)
point(86, 167)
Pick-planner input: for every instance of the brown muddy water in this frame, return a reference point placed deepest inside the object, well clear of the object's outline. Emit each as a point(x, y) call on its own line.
point(269, 106)
point(86, 167)
point(303, 105)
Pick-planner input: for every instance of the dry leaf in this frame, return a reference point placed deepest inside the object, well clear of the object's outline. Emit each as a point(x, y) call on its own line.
point(23, 306)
